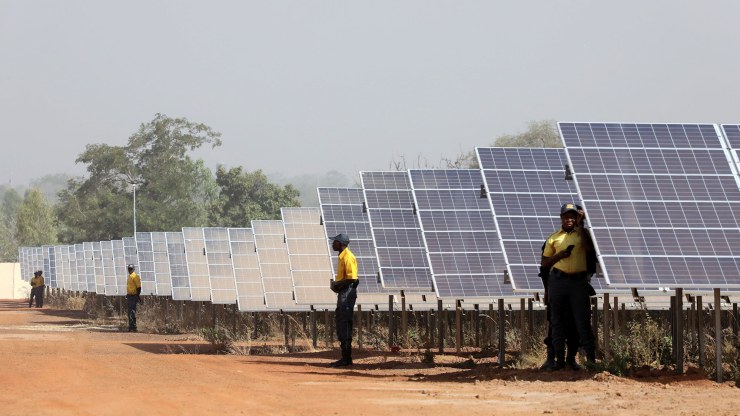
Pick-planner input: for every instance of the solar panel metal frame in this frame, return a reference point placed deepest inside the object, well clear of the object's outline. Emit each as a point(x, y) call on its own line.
point(250, 293)
point(131, 255)
point(394, 271)
point(162, 273)
point(220, 265)
point(110, 287)
point(452, 261)
point(195, 253)
point(704, 145)
point(308, 256)
point(74, 280)
point(277, 281)
point(89, 267)
point(146, 270)
point(119, 267)
point(178, 266)
point(342, 209)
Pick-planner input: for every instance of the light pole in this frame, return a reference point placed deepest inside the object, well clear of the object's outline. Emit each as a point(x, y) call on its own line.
point(134, 184)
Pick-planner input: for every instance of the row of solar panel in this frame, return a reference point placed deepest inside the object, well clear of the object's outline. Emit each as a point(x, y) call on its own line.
point(459, 232)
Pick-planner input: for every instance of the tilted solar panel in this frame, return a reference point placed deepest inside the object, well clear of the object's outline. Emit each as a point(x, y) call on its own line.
point(662, 201)
point(249, 290)
point(195, 253)
point(220, 267)
point(269, 237)
point(178, 266)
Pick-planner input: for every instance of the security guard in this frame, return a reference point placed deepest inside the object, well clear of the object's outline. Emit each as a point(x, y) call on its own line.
point(40, 287)
point(133, 296)
point(34, 292)
point(345, 286)
point(565, 255)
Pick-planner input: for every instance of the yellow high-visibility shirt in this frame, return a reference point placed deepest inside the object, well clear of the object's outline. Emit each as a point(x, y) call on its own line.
point(560, 240)
point(34, 281)
point(40, 281)
point(132, 283)
point(347, 266)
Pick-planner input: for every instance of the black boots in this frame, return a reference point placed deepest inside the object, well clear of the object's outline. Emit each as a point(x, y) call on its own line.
point(559, 361)
point(549, 363)
point(346, 358)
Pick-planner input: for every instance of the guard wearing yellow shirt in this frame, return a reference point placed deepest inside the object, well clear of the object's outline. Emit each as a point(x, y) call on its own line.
point(133, 296)
point(37, 289)
point(345, 286)
point(565, 255)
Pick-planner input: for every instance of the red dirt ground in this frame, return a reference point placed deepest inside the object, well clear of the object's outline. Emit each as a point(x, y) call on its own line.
point(56, 363)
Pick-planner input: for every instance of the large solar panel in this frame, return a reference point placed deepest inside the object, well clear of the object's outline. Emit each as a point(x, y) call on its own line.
point(269, 237)
point(220, 267)
point(89, 266)
point(119, 267)
point(99, 272)
point(81, 267)
point(195, 253)
point(109, 272)
point(662, 200)
point(396, 231)
point(58, 268)
point(74, 280)
point(249, 290)
point(178, 266)
point(50, 266)
point(523, 184)
point(146, 263)
point(131, 254)
point(162, 274)
point(463, 245)
point(342, 210)
point(308, 255)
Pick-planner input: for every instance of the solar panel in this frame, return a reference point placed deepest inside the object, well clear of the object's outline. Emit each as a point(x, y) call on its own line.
point(274, 264)
point(342, 212)
point(220, 267)
point(162, 275)
point(178, 266)
point(109, 272)
point(523, 184)
point(195, 253)
point(120, 270)
point(49, 266)
point(81, 267)
point(308, 255)
point(662, 200)
point(74, 280)
point(89, 266)
point(99, 272)
point(464, 262)
point(131, 255)
point(250, 294)
point(146, 270)
point(396, 232)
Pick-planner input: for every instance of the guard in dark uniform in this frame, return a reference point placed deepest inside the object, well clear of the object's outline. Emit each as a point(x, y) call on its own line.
point(565, 256)
point(345, 286)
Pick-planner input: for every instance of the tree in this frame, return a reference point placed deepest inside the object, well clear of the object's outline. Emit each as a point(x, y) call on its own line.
point(543, 133)
point(246, 196)
point(36, 222)
point(173, 190)
point(11, 201)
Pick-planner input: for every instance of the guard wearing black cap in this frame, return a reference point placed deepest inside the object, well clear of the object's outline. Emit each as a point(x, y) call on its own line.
point(565, 256)
point(133, 296)
point(36, 282)
point(345, 286)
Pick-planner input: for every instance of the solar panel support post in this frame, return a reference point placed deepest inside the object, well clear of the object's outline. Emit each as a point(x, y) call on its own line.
point(286, 331)
point(734, 321)
point(429, 325)
point(359, 326)
point(501, 334)
point(327, 329)
point(691, 321)
point(213, 316)
point(404, 320)
point(530, 312)
point(440, 326)
point(255, 335)
point(700, 329)
point(615, 316)
point(595, 320)
point(234, 313)
point(476, 324)
point(491, 325)
point(314, 329)
point(391, 329)
point(458, 326)
point(718, 334)
point(607, 349)
point(166, 307)
point(678, 319)
point(522, 314)
point(672, 321)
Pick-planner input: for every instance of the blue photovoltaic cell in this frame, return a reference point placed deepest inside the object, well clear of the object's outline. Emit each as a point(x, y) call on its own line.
point(342, 212)
point(526, 188)
point(387, 195)
point(465, 263)
point(662, 200)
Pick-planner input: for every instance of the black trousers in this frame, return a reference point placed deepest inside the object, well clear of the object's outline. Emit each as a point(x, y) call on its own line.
point(33, 295)
point(344, 318)
point(572, 340)
point(131, 302)
point(40, 296)
point(570, 303)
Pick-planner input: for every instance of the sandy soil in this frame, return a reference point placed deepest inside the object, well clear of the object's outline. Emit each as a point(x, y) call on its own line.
point(56, 363)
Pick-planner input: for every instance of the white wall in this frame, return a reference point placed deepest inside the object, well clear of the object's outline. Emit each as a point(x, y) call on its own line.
point(11, 284)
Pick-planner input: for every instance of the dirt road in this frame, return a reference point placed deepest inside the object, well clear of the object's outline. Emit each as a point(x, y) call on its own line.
point(55, 363)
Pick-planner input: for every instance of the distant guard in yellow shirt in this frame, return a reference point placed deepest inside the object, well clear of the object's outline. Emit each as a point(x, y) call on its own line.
point(345, 286)
point(133, 296)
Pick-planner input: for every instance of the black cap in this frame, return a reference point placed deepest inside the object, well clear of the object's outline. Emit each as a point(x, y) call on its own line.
point(569, 207)
point(131, 267)
point(342, 238)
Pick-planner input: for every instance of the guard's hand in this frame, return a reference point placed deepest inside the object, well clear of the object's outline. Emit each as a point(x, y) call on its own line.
point(564, 253)
point(333, 285)
point(138, 299)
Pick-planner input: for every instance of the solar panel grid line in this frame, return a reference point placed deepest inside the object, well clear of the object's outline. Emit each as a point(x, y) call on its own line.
point(391, 191)
point(471, 270)
point(352, 200)
point(695, 150)
point(272, 252)
point(220, 265)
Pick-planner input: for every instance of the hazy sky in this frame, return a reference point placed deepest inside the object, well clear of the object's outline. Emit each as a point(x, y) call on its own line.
point(302, 87)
